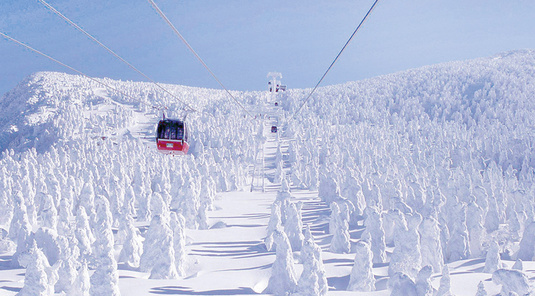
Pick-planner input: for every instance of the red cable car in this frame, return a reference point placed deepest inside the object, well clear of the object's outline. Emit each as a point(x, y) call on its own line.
point(172, 137)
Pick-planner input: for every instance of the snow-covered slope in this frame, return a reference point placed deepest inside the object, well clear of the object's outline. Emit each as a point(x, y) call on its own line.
point(431, 166)
point(54, 107)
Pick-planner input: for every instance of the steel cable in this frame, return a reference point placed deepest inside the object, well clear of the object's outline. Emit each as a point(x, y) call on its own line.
point(160, 12)
point(335, 59)
point(112, 52)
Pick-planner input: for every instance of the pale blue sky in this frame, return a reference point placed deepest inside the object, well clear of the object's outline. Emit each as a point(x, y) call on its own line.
point(243, 40)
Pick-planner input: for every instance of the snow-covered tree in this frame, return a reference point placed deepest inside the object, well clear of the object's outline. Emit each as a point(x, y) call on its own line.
point(47, 240)
point(190, 203)
point(328, 189)
point(143, 200)
point(6, 204)
point(28, 191)
point(474, 225)
point(492, 219)
point(129, 205)
point(274, 224)
point(178, 227)
point(512, 281)
point(353, 192)
point(340, 241)
point(20, 232)
point(283, 279)
point(458, 246)
point(37, 280)
point(67, 265)
point(48, 212)
point(20, 217)
point(294, 227)
point(313, 279)
point(430, 245)
point(64, 217)
point(202, 216)
point(157, 203)
point(493, 261)
point(207, 192)
point(362, 278)
point(334, 218)
point(132, 243)
point(87, 196)
point(402, 285)
point(406, 257)
point(481, 289)
point(279, 172)
point(81, 284)
point(374, 228)
point(423, 281)
point(83, 234)
point(283, 198)
point(392, 220)
point(445, 283)
point(158, 256)
point(104, 279)
point(526, 250)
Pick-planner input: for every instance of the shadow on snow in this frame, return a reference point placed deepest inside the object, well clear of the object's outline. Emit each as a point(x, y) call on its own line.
point(177, 290)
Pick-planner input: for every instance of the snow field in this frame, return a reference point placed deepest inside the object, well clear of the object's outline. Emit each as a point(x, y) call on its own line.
point(428, 167)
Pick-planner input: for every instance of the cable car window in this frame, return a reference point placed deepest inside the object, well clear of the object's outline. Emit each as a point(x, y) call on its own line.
point(166, 132)
point(172, 133)
point(160, 131)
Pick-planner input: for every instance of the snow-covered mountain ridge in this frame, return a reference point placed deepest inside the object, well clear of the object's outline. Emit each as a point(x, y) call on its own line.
point(488, 97)
point(47, 106)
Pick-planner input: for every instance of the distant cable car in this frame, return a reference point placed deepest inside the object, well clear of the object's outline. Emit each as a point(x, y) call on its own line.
point(274, 129)
point(276, 104)
point(172, 137)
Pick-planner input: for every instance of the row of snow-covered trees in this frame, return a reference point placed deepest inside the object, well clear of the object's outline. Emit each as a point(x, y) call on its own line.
point(85, 175)
point(285, 235)
point(437, 162)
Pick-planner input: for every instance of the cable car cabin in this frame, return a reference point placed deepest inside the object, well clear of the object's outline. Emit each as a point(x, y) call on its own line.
point(276, 104)
point(273, 129)
point(172, 137)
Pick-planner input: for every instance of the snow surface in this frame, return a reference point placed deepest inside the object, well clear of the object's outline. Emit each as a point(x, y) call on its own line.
point(429, 166)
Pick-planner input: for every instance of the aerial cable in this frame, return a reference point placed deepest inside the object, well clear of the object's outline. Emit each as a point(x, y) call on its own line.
point(112, 52)
point(160, 12)
point(335, 59)
point(160, 108)
point(64, 65)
